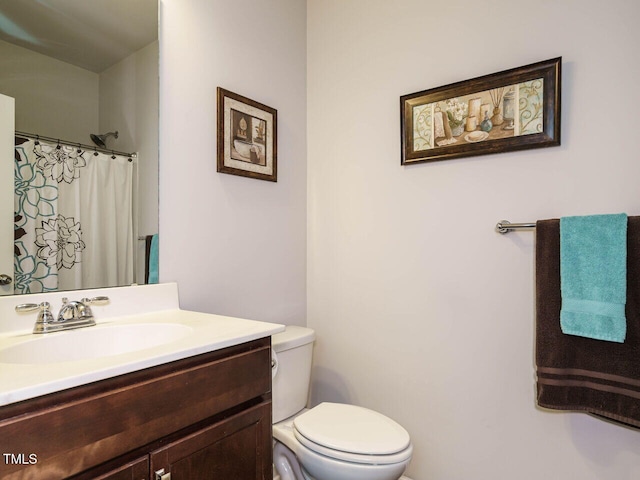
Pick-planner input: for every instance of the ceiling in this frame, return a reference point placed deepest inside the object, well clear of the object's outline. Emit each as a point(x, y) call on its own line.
point(91, 34)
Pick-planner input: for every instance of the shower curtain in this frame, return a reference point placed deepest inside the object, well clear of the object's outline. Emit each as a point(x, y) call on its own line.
point(74, 222)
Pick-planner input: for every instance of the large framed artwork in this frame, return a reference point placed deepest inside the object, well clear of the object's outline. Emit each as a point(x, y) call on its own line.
point(515, 109)
point(247, 137)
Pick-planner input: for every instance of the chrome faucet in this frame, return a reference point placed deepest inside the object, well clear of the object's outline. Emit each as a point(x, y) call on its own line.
point(75, 311)
point(74, 314)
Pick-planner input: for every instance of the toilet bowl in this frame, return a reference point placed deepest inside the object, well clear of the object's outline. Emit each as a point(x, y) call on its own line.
point(331, 441)
point(344, 442)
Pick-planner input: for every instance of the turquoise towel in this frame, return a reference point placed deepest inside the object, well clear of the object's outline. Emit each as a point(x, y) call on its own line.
point(593, 276)
point(153, 260)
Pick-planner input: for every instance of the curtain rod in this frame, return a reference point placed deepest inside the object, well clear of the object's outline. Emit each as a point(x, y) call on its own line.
point(505, 226)
point(74, 144)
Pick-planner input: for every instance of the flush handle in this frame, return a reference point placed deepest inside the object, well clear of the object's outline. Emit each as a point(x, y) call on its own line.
point(5, 279)
point(274, 364)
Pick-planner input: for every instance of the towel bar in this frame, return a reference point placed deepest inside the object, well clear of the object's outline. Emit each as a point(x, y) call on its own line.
point(505, 226)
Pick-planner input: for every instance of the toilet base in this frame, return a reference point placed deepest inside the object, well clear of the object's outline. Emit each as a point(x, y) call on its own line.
point(318, 467)
point(277, 477)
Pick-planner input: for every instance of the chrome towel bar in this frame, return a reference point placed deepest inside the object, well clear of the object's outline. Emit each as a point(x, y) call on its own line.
point(505, 226)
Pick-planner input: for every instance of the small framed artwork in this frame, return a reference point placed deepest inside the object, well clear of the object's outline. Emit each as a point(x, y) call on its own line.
point(515, 109)
point(247, 137)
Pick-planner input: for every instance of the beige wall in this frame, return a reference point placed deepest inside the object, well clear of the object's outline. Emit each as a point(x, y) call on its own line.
point(235, 245)
point(422, 311)
point(71, 114)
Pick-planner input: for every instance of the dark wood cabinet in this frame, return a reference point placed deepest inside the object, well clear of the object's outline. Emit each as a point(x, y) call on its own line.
point(231, 449)
point(135, 470)
point(202, 417)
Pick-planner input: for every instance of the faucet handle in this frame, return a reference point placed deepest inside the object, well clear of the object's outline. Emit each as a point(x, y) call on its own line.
point(45, 316)
point(95, 301)
point(84, 306)
point(30, 307)
point(27, 307)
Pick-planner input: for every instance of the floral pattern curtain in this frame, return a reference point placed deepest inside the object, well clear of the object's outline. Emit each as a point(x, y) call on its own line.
point(74, 223)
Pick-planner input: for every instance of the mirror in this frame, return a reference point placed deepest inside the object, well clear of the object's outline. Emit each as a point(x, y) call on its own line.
point(77, 68)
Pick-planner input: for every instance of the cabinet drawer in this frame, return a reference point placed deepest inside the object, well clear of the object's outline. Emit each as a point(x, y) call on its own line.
point(77, 429)
point(136, 470)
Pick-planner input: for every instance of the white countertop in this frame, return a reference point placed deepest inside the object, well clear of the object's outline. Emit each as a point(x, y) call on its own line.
point(203, 333)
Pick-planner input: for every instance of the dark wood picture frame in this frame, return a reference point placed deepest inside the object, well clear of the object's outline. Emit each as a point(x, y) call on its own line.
point(247, 137)
point(522, 106)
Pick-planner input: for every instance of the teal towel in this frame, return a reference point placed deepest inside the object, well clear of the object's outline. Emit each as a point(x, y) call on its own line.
point(153, 260)
point(593, 276)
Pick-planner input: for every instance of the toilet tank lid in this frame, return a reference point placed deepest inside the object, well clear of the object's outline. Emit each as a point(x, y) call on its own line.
point(292, 337)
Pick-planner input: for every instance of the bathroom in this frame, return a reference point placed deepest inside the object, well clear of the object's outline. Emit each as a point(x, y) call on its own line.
point(422, 311)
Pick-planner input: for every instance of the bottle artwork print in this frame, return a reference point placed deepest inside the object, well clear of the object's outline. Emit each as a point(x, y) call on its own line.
point(504, 112)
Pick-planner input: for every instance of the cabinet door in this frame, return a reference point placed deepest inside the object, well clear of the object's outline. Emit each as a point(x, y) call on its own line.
point(238, 448)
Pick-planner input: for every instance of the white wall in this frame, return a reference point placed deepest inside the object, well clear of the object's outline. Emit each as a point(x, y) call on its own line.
point(129, 92)
point(422, 311)
point(129, 99)
point(235, 245)
point(29, 77)
point(7, 212)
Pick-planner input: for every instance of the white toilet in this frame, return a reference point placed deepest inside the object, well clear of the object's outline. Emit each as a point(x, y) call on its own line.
point(331, 441)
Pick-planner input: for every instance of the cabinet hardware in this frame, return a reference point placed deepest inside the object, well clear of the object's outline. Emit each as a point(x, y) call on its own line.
point(160, 475)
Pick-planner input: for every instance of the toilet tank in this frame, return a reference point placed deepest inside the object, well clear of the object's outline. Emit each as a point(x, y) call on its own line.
point(292, 352)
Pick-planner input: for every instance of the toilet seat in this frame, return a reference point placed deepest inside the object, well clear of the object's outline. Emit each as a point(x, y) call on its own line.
point(352, 434)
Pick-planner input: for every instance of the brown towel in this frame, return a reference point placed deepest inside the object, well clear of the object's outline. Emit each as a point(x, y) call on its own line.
point(578, 373)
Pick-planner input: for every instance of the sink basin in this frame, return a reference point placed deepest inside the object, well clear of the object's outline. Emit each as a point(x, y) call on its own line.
point(92, 342)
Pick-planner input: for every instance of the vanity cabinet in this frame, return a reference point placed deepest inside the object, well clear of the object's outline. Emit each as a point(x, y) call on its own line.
point(207, 416)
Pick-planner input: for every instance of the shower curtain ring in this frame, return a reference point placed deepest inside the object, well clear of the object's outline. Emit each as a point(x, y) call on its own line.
point(95, 152)
point(58, 147)
point(79, 149)
point(113, 155)
point(37, 139)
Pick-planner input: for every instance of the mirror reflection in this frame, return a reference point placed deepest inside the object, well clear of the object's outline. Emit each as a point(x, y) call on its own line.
point(82, 187)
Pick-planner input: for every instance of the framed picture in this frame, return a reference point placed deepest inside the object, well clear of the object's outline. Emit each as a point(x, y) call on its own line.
point(512, 110)
point(247, 137)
